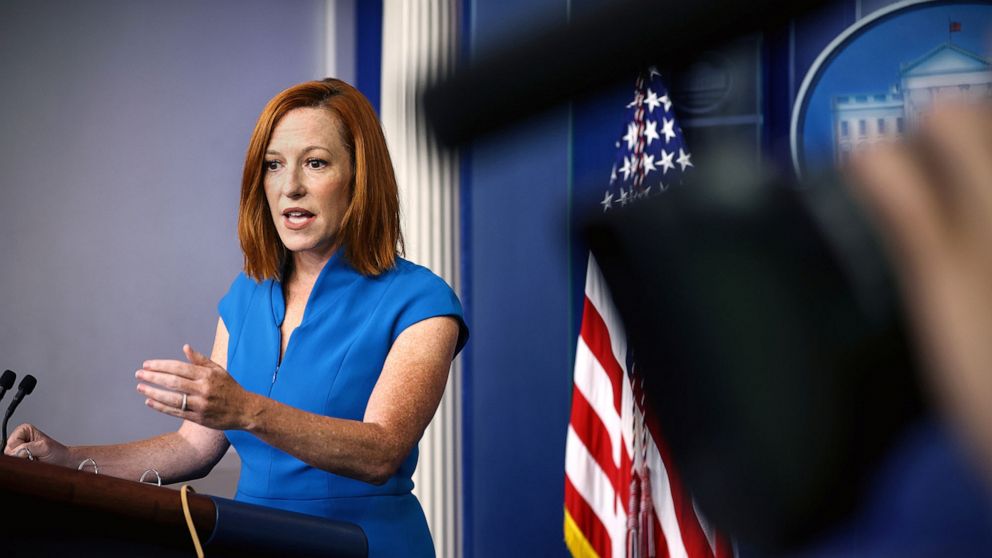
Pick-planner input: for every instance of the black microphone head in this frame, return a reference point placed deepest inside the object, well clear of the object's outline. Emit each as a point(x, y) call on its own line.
point(27, 384)
point(7, 380)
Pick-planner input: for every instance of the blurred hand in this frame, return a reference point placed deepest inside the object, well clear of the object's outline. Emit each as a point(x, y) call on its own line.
point(42, 447)
point(932, 202)
point(213, 398)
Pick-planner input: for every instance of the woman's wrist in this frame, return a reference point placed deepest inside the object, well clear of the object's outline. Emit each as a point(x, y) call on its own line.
point(252, 412)
point(70, 457)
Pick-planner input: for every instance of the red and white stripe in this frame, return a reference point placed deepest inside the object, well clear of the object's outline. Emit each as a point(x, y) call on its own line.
point(600, 446)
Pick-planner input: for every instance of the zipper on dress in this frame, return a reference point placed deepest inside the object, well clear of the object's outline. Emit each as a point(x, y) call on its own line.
point(275, 373)
point(282, 358)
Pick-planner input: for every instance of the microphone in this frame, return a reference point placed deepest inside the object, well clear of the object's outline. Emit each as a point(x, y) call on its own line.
point(6, 382)
point(24, 388)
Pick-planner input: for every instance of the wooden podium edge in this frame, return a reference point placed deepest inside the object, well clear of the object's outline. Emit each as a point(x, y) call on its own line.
point(52, 501)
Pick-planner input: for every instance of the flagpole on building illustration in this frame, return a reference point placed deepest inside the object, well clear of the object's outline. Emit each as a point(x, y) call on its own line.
point(952, 27)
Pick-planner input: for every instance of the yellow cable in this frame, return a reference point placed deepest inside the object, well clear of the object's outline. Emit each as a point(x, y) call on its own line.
point(189, 519)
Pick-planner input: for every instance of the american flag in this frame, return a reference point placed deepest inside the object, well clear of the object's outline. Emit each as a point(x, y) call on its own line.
point(623, 498)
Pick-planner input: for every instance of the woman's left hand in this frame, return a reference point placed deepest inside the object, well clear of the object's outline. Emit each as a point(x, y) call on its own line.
point(212, 397)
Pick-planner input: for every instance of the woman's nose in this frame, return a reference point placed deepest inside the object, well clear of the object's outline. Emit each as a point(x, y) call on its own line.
point(293, 186)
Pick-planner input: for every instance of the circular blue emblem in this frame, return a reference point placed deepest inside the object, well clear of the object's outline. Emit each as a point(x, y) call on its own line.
point(875, 81)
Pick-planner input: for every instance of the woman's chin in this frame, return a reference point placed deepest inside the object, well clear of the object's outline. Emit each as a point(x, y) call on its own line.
point(296, 242)
point(298, 248)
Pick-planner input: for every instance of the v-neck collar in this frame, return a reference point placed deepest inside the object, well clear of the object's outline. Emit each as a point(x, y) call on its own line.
point(336, 274)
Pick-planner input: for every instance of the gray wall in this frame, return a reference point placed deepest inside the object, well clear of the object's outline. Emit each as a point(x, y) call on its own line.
point(123, 127)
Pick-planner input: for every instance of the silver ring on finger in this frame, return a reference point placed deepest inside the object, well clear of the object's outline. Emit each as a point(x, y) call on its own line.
point(183, 408)
point(27, 451)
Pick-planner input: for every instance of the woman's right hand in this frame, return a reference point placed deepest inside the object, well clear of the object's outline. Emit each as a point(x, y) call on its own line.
point(42, 446)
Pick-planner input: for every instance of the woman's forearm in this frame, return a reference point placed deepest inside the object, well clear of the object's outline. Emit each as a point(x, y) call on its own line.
point(400, 407)
point(360, 450)
point(170, 454)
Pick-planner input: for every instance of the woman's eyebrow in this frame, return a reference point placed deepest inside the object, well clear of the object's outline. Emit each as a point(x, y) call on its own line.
point(312, 147)
point(305, 149)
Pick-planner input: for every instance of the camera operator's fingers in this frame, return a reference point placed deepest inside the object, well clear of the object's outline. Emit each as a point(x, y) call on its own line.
point(959, 138)
point(893, 186)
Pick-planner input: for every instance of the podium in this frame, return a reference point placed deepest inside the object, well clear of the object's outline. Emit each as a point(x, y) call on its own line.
point(56, 511)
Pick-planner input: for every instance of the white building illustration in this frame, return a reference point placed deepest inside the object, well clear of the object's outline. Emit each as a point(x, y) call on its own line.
point(946, 72)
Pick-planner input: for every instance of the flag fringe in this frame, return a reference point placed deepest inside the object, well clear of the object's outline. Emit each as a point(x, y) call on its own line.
point(576, 541)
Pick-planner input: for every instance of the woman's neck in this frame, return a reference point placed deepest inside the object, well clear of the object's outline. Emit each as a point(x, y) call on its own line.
point(307, 265)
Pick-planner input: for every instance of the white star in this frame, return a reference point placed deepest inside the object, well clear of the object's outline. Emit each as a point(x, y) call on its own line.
point(648, 162)
point(631, 137)
point(667, 102)
point(624, 197)
point(662, 187)
point(668, 129)
point(684, 159)
point(652, 101)
point(627, 168)
point(647, 191)
point(653, 71)
point(666, 161)
point(617, 145)
point(613, 174)
point(607, 202)
point(651, 131)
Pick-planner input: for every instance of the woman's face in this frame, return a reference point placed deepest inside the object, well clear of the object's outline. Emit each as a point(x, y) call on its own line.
point(307, 178)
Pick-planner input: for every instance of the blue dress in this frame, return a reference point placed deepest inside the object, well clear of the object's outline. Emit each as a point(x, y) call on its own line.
point(331, 364)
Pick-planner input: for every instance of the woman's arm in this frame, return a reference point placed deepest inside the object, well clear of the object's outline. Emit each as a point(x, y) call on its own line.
point(189, 453)
point(400, 408)
point(401, 405)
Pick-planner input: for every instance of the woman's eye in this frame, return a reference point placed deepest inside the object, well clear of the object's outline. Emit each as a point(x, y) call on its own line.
point(316, 163)
point(271, 165)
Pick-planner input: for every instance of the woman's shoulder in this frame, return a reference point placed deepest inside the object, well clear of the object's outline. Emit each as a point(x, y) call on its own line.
point(242, 285)
point(418, 293)
point(239, 295)
point(409, 272)
point(415, 280)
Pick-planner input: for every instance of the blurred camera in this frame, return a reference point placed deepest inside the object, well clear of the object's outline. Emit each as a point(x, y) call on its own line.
point(768, 330)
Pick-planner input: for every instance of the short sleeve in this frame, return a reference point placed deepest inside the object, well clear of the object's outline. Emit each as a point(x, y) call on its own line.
point(233, 306)
point(420, 295)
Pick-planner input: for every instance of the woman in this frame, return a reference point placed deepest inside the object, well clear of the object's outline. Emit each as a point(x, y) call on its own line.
point(331, 352)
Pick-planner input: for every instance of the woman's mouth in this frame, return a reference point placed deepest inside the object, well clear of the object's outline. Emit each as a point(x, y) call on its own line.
point(296, 218)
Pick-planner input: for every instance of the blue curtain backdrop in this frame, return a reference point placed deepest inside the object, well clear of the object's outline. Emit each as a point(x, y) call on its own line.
point(368, 50)
point(517, 377)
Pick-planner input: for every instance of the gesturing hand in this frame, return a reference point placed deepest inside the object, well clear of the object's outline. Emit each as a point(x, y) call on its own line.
point(212, 397)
